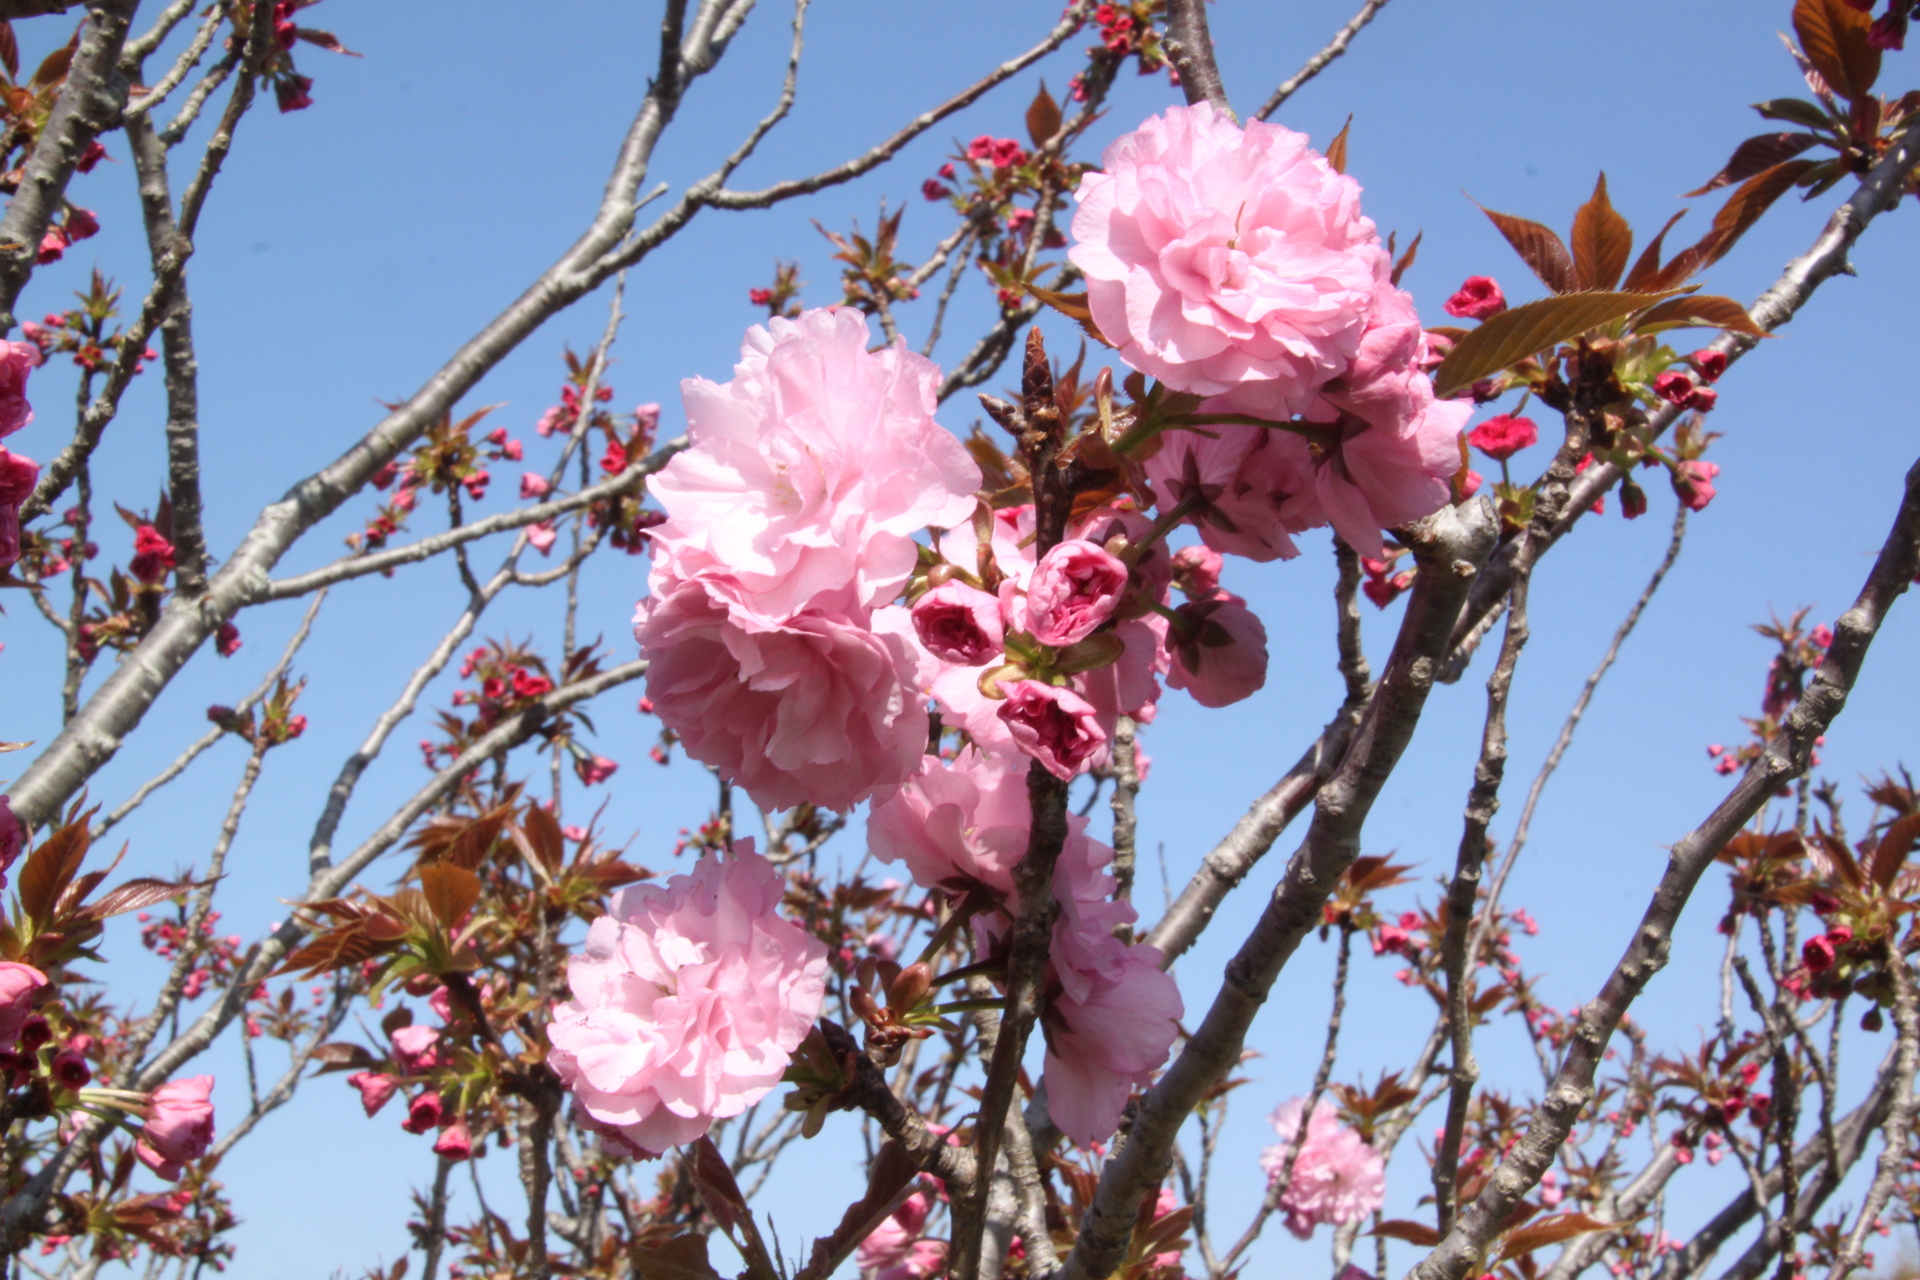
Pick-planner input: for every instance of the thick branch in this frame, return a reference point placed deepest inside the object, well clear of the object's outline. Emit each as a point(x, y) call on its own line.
point(1190, 48)
point(89, 103)
point(1449, 545)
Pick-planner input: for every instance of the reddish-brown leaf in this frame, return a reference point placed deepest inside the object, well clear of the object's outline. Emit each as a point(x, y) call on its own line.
point(1749, 200)
point(1537, 1235)
point(341, 1056)
point(1043, 117)
point(1833, 35)
point(450, 891)
point(1602, 241)
point(1522, 331)
point(1895, 845)
point(1763, 151)
point(1698, 311)
point(1415, 1233)
point(1074, 307)
point(1539, 248)
point(1337, 149)
point(681, 1258)
point(1406, 259)
point(9, 49)
point(53, 69)
point(50, 868)
point(1646, 270)
point(133, 896)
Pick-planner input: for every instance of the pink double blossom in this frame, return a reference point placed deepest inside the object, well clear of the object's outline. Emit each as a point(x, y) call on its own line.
point(809, 473)
point(689, 1000)
point(179, 1126)
point(1054, 725)
point(17, 361)
point(959, 624)
point(1337, 1178)
point(1221, 259)
point(1074, 588)
point(814, 708)
point(376, 1088)
point(1249, 488)
point(13, 838)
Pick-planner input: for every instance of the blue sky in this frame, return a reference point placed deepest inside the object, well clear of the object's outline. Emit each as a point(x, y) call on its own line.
point(348, 249)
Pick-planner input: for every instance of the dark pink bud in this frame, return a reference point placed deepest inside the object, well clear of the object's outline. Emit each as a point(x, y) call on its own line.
point(959, 624)
point(1502, 437)
point(1673, 386)
point(1477, 299)
point(1073, 590)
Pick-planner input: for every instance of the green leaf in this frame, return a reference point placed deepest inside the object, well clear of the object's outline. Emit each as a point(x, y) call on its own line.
point(1522, 331)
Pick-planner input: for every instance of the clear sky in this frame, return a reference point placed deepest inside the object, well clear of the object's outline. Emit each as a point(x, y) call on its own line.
point(348, 249)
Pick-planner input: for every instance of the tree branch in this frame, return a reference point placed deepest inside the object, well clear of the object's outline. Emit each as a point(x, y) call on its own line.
point(1190, 48)
point(1449, 545)
point(1319, 61)
point(1783, 760)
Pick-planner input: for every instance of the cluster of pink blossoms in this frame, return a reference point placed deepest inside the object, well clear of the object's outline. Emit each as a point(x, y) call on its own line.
point(1234, 264)
point(18, 475)
point(1337, 1178)
point(688, 1003)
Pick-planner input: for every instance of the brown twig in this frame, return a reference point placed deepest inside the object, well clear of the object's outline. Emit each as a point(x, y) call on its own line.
point(1190, 48)
point(1320, 61)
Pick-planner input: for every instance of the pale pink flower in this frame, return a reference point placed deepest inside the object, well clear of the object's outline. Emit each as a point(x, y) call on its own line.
point(375, 1087)
point(1074, 589)
point(534, 485)
point(17, 360)
point(1219, 650)
point(179, 1126)
point(541, 537)
point(689, 1000)
point(1165, 1203)
point(1384, 386)
point(18, 982)
point(957, 825)
point(1131, 685)
point(1221, 259)
point(1055, 726)
point(1248, 487)
point(815, 708)
point(809, 473)
point(959, 624)
point(1338, 1178)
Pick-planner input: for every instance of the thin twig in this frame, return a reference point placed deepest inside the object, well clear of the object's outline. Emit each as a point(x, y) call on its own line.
point(1319, 61)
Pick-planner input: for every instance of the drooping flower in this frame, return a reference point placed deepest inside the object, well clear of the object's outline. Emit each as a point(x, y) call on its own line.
point(1074, 589)
point(959, 624)
point(815, 708)
point(376, 1088)
point(1337, 1179)
point(1247, 487)
point(689, 1000)
point(179, 1126)
point(1219, 650)
point(414, 1048)
point(1197, 571)
point(152, 554)
point(1693, 483)
point(809, 473)
point(455, 1141)
point(1227, 260)
point(18, 982)
point(1374, 478)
